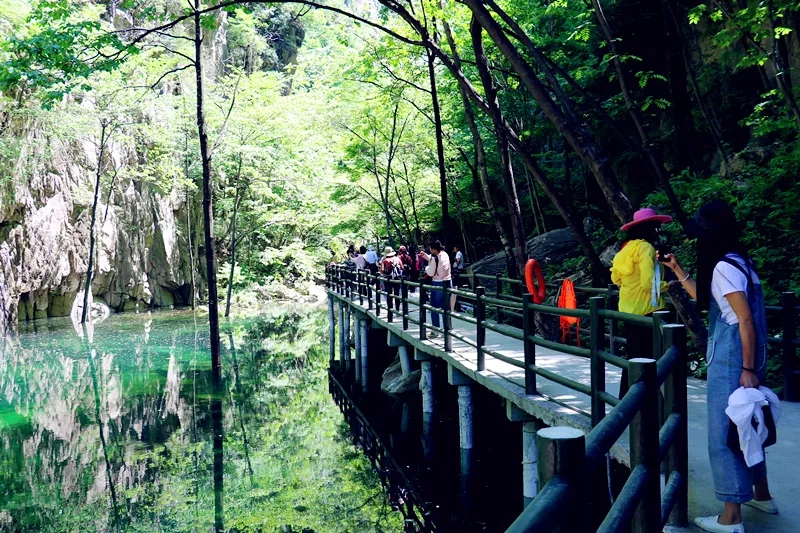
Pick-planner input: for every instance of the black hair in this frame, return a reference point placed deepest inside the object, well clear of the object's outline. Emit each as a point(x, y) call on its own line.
point(646, 231)
point(436, 245)
point(362, 250)
point(721, 236)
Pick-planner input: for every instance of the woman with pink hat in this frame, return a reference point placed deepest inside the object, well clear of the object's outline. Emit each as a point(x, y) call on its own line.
point(640, 279)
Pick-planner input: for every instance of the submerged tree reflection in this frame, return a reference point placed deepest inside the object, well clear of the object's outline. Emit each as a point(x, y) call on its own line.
point(133, 433)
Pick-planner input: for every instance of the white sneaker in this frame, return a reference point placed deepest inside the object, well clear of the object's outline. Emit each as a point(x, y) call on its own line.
point(710, 523)
point(432, 334)
point(767, 506)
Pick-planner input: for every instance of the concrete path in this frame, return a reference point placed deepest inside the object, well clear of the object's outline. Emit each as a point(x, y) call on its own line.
point(558, 405)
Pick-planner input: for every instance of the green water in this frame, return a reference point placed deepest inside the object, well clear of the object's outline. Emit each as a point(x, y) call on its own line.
point(113, 431)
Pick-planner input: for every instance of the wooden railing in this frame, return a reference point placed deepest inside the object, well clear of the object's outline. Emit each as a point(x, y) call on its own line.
point(641, 503)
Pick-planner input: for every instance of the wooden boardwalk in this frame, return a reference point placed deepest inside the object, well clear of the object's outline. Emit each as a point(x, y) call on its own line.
point(557, 405)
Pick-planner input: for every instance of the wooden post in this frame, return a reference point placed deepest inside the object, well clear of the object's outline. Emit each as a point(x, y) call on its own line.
point(562, 454)
point(480, 318)
point(377, 295)
point(675, 402)
point(644, 446)
point(598, 366)
point(790, 392)
point(389, 300)
point(473, 280)
point(446, 320)
point(368, 283)
point(611, 304)
point(659, 319)
point(498, 293)
point(528, 327)
point(404, 306)
point(423, 300)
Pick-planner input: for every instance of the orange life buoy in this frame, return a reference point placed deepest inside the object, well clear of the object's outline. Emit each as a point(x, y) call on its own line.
point(538, 291)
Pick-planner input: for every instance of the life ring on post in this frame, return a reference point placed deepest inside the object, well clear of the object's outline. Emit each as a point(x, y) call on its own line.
point(532, 268)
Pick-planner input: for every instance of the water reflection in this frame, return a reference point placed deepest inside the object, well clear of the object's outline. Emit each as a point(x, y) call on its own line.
point(122, 427)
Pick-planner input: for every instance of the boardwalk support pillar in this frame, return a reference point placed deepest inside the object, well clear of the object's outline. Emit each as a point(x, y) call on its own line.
point(357, 341)
point(346, 329)
point(530, 486)
point(562, 454)
point(363, 325)
point(405, 359)
point(332, 329)
point(465, 416)
point(426, 386)
point(341, 335)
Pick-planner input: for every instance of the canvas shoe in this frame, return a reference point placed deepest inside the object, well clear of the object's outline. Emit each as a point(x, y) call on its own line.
point(767, 506)
point(709, 523)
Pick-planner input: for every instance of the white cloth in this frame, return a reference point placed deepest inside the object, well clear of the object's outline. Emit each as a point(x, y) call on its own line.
point(459, 259)
point(439, 267)
point(360, 261)
point(728, 279)
point(743, 405)
point(372, 257)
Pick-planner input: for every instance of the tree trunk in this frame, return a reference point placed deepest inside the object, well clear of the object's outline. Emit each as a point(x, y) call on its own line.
point(573, 132)
point(211, 275)
point(193, 287)
point(90, 267)
point(506, 169)
point(437, 121)
point(480, 153)
point(233, 238)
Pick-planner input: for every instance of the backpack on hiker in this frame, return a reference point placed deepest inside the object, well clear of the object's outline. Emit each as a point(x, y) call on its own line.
point(392, 267)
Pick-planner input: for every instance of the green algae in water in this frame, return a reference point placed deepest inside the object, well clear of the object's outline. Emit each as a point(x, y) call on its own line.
point(144, 382)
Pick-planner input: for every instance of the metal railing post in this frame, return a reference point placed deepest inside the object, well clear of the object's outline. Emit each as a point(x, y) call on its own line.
point(790, 392)
point(360, 282)
point(423, 301)
point(446, 318)
point(480, 318)
point(528, 327)
point(562, 454)
point(611, 304)
point(404, 301)
point(598, 366)
point(644, 444)
point(675, 402)
point(498, 293)
point(473, 280)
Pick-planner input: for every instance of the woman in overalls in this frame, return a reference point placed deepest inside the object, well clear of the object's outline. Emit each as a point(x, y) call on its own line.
point(728, 286)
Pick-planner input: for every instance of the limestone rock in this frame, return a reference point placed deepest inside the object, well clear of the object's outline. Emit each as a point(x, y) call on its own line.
point(394, 382)
point(141, 252)
point(553, 247)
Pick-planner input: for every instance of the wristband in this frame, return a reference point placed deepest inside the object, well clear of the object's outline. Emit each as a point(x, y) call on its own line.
point(684, 279)
point(748, 369)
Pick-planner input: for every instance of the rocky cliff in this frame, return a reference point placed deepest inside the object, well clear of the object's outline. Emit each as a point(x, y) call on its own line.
point(45, 211)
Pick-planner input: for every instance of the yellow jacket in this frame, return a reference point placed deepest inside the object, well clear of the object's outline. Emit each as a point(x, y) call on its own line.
point(633, 270)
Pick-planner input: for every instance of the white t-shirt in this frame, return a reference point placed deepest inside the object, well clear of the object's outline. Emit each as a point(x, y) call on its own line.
point(728, 279)
point(459, 259)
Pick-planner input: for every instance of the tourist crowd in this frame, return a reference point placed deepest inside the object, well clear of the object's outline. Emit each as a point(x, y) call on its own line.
point(430, 265)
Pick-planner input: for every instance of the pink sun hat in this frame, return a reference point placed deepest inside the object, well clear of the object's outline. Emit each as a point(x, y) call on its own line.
point(646, 215)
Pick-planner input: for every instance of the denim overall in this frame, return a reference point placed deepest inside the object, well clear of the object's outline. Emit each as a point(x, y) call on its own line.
point(733, 479)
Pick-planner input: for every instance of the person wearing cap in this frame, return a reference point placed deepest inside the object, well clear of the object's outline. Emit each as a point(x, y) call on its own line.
point(728, 287)
point(640, 280)
point(372, 259)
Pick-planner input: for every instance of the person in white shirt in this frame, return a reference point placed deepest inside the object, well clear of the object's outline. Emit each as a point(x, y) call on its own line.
point(459, 261)
point(440, 272)
point(371, 256)
point(728, 286)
